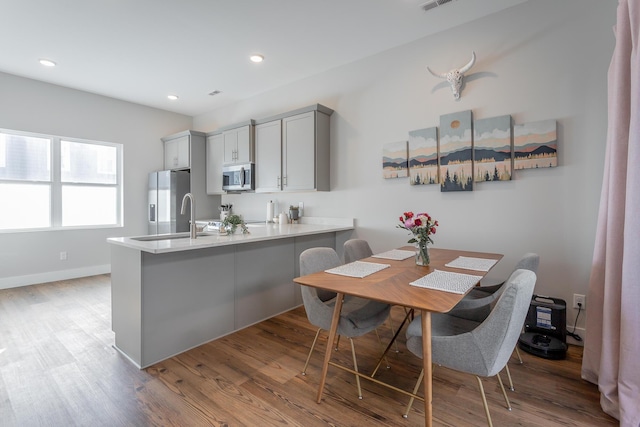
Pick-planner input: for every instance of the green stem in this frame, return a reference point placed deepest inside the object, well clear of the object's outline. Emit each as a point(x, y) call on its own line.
point(423, 253)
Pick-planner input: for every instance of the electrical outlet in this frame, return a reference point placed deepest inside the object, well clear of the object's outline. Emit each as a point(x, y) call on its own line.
point(579, 299)
point(63, 256)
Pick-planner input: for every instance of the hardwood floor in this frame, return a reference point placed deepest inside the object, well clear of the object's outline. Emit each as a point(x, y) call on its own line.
point(58, 368)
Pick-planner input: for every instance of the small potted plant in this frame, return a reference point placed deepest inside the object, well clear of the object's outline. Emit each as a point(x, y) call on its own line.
point(231, 223)
point(293, 213)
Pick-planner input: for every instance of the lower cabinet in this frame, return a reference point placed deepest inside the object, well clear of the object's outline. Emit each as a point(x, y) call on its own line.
point(167, 303)
point(187, 300)
point(264, 274)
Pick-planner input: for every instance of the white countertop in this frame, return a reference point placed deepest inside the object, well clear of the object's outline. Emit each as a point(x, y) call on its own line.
point(257, 233)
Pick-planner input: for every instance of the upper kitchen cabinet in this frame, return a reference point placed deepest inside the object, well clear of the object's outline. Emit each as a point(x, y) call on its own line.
point(177, 153)
point(215, 155)
point(238, 144)
point(269, 156)
point(292, 151)
point(187, 151)
point(179, 149)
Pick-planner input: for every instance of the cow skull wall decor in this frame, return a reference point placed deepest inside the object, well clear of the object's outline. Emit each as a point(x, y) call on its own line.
point(455, 76)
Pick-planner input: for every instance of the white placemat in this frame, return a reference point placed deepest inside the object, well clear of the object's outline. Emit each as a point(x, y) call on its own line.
point(457, 283)
point(395, 254)
point(469, 263)
point(358, 269)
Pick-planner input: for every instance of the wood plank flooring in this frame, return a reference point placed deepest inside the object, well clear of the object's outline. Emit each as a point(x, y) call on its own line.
point(58, 367)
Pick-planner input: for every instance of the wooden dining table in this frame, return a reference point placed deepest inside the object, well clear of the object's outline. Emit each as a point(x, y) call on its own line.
point(391, 286)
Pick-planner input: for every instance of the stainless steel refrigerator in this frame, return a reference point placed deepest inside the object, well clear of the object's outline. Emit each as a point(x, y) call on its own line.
point(166, 190)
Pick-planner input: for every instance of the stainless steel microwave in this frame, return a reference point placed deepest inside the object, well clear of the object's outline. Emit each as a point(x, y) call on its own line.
point(238, 177)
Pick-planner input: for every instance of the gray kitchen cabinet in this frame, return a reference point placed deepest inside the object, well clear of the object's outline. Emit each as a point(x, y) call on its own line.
point(264, 286)
point(169, 300)
point(192, 144)
point(302, 161)
point(299, 152)
point(165, 303)
point(177, 153)
point(238, 145)
point(269, 156)
point(215, 159)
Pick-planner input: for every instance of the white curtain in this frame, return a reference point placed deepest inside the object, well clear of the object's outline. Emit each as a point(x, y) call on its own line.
point(612, 345)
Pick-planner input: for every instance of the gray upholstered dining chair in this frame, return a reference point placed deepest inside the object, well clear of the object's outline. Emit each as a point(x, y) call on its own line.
point(358, 316)
point(477, 304)
point(484, 350)
point(355, 249)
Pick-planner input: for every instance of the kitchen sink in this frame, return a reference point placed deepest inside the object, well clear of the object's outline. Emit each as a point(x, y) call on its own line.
point(169, 236)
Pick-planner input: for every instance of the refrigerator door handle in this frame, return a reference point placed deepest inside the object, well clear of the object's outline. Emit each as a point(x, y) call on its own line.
point(152, 213)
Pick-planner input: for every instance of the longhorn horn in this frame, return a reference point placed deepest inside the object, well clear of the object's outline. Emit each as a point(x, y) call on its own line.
point(440, 76)
point(470, 64)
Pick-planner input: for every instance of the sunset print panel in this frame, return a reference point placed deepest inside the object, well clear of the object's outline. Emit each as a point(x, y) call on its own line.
point(492, 149)
point(456, 167)
point(394, 160)
point(535, 145)
point(423, 156)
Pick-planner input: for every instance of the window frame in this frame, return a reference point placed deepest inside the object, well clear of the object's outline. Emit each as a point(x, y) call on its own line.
point(56, 183)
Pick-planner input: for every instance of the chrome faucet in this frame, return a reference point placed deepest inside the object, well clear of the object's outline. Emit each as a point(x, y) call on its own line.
point(192, 226)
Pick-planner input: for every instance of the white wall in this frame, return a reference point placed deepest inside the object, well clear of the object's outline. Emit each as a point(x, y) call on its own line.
point(32, 106)
point(543, 59)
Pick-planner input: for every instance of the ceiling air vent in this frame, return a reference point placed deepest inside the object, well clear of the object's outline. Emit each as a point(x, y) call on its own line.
point(433, 3)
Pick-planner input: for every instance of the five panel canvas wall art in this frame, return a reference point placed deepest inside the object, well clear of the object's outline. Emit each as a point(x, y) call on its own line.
point(462, 151)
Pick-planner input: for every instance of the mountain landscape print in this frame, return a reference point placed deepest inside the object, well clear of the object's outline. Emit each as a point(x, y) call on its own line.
point(535, 145)
point(456, 152)
point(394, 160)
point(423, 156)
point(492, 149)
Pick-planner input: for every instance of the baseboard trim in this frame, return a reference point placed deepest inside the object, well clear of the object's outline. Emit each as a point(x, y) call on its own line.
point(53, 276)
point(581, 332)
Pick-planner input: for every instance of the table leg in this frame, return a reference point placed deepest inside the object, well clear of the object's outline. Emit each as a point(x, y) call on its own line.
point(406, 317)
point(426, 360)
point(332, 335)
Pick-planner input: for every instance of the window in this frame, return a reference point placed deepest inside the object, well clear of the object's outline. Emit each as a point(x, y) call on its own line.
point(47, 182)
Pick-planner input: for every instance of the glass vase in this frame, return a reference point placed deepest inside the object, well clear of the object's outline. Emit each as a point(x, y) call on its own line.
point(422, 253)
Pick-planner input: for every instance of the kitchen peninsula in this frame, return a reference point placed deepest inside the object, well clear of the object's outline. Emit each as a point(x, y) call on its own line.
point(169, 295)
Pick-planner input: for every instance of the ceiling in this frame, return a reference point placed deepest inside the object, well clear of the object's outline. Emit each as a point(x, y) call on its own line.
point(143, 50)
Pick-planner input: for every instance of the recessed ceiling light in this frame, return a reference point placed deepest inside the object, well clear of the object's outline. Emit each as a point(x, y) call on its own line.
point(47, 62)
point(256, 58)
point(172, 97)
